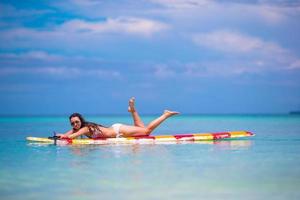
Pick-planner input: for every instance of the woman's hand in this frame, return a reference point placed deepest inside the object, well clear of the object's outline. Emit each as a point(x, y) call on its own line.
point(62, 136)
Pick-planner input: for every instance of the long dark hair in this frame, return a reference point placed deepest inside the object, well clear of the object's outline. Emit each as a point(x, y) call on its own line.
point(84, 123)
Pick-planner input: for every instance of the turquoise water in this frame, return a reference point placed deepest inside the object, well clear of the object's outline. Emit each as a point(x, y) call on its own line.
point(265, 166)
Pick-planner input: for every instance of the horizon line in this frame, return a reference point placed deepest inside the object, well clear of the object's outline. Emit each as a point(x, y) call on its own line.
point(144, 114)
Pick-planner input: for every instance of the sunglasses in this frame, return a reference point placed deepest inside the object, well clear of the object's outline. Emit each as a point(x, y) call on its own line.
point(75, 122)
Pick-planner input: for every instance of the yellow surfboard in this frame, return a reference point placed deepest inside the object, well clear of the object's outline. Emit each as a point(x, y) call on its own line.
point(147, 139)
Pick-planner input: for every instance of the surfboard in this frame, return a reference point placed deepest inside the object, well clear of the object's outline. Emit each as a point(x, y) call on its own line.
point(156, 139)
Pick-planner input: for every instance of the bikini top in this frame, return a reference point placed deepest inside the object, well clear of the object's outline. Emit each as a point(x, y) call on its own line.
point(95, 130)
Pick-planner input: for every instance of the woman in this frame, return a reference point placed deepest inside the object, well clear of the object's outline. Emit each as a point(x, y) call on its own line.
point(93, 130)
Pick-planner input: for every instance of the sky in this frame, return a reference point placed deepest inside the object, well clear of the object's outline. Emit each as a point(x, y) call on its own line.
point(193, 56)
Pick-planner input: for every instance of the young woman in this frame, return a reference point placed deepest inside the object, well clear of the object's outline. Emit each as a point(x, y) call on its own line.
point(93, 130)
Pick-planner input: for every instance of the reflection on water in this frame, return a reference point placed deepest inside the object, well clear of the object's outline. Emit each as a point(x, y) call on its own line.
point(122, 149)
point(230, 145)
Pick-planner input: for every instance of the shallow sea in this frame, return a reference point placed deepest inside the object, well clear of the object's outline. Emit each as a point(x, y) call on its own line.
point(266, 166)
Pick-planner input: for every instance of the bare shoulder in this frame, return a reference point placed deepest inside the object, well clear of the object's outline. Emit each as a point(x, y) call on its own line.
point(86, 129)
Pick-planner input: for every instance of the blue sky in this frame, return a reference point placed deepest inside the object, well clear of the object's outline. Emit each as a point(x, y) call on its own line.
point(194, 56)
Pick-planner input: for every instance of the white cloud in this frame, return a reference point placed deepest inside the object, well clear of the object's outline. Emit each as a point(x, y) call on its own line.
point(272, 14)
point(89, 33)
point(295, 65)
point(87, 2)
point(121, 25)
point(39, 55)
point(234, 42)
point(57, 71)
point(243, 53)
point(182, 4)
point(194, 10)
point(45, 64)
point(210, 11)
point(197, 69)
point(64, 72)
point(261, 12)
point(164, 71)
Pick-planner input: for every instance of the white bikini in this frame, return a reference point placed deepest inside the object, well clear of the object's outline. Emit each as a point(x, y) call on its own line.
point(116, 127)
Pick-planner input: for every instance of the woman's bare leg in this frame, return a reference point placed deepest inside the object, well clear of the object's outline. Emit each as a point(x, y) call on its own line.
point(128, 131)
point(136, 118)
point(155, 123)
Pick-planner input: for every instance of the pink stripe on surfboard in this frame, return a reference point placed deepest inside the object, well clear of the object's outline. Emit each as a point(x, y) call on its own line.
point(221, 135)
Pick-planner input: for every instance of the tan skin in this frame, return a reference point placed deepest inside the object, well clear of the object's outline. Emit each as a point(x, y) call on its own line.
point(138, 129)
point(77, 131)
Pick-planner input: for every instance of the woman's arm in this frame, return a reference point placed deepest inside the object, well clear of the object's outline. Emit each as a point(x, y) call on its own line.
point(66, 133)
point(81, 131)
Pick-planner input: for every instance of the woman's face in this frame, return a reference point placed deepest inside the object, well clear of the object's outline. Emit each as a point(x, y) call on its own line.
point(75, 123)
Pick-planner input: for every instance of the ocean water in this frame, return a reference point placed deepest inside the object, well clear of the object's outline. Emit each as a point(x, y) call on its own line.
point(266, 166)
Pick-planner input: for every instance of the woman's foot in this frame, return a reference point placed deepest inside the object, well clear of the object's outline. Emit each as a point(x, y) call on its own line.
point(169, 113)
point(131, 107)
